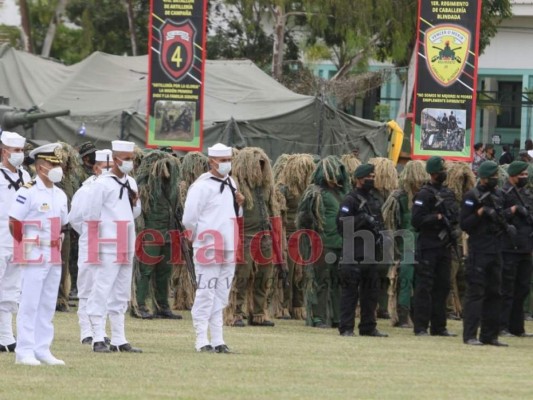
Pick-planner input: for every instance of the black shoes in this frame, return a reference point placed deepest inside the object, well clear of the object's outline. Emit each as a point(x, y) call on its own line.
point(473, 342)
point(222, 349)
point(375, 333)
point(143, 313)
point(347, 333)
point(100, 347)
point(525, 335)
point(445, 333)
point(165, 313)
point(497, 343)
point(421, 333)
point(505, 333)
point(10, 348)
point(320, 325)
point(238, 323)
point(207, 349)
point(87, 340)
point(263, 323)
point(125, 348)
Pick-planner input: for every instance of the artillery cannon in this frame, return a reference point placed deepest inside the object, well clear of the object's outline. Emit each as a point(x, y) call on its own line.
point(11, 117)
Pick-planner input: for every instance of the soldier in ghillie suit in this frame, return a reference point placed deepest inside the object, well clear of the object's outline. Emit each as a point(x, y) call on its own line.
point(253, 277)
point(157, 179)
point(71, 182)
point(460, 180)
point(350, 162)
point(193, 165)
point(397, 217)
point(318, 211)
point(386, 183)
point(279, 165)
point(291, 183)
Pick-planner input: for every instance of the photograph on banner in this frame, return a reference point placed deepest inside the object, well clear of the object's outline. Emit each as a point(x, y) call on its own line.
point(174, 120)
point(443, 129)
point(177, 61)
point(444, 107)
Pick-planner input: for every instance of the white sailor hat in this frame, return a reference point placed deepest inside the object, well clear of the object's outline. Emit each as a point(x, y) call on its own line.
point(50, 152)
point(13, 139)
point(103, 155)
point(219, 150)
point(122, 145)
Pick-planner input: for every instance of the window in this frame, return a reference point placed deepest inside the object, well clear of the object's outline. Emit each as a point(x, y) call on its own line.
point(510, 97)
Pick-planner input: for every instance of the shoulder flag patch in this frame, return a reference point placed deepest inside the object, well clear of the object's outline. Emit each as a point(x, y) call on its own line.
point(469, 202)
point(21, 199)
point(345, 209)
point(419, 203)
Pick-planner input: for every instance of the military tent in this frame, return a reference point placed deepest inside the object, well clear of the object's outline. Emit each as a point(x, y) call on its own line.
point(107, 97)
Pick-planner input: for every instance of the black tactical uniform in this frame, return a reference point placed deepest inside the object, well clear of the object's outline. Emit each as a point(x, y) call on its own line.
point(359, 277)
point(517, 260)
point(433, 256)
point(484, 265)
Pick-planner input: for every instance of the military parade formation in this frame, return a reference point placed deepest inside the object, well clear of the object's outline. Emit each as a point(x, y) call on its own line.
point(239, 240)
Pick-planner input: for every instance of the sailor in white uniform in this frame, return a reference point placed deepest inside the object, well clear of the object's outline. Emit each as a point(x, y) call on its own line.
point(78, 218)
point(38, 215)
point(114, 205)
point(12, 176)
point(211, 208)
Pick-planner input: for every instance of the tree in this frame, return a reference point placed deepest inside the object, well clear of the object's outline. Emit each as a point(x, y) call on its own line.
point(52, 27)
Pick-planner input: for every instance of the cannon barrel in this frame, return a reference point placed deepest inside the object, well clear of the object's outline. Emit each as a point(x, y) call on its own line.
point(13, 118)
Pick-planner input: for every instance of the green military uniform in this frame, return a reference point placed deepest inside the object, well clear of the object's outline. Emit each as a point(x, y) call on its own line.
point(159, 215)
point(318, 211)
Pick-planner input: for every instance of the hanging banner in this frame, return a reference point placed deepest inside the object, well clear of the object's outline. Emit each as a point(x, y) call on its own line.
point(176, 74)
point(444, 106)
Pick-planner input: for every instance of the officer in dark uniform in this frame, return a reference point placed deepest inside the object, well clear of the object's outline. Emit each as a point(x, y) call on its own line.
point(482, 218)
point(516, 272)
point(434, 215)
point(360, 222)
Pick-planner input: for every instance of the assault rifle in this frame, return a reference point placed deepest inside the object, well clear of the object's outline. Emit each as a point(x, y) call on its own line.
point(529, 217)
point(493, 213)
point(448, 229)
point(375, 225)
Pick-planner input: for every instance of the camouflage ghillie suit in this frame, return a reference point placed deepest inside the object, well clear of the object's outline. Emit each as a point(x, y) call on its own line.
point(318, 211)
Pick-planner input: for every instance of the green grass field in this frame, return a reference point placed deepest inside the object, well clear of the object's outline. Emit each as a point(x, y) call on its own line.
point(289, 361)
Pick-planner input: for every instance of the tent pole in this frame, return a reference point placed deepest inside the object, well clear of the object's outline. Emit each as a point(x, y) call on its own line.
point(320, 122)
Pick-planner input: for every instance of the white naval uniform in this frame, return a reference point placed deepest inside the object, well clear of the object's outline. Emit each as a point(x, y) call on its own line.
point(9, 273)
point(77, 218)
point(206, 209)
point(40, 281)
point(111, 289)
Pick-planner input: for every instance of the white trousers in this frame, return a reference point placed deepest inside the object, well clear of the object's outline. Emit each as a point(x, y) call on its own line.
point(212, 295)
point(40, 285)
point(110, 293)
point(10, 280)
point(86, 273)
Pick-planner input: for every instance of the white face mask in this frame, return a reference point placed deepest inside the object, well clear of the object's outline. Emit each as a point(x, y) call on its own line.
point(55, 174)
point(126, 167)
point(224, 168)
point(16, 159)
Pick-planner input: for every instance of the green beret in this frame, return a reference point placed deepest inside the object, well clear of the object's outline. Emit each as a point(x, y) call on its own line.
point(434, 164)
point(363, 170)
point(487, 169)
point(516, 167)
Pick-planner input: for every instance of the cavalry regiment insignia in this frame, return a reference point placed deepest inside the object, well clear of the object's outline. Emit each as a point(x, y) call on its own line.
point(176, 48)
point(447, 49)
